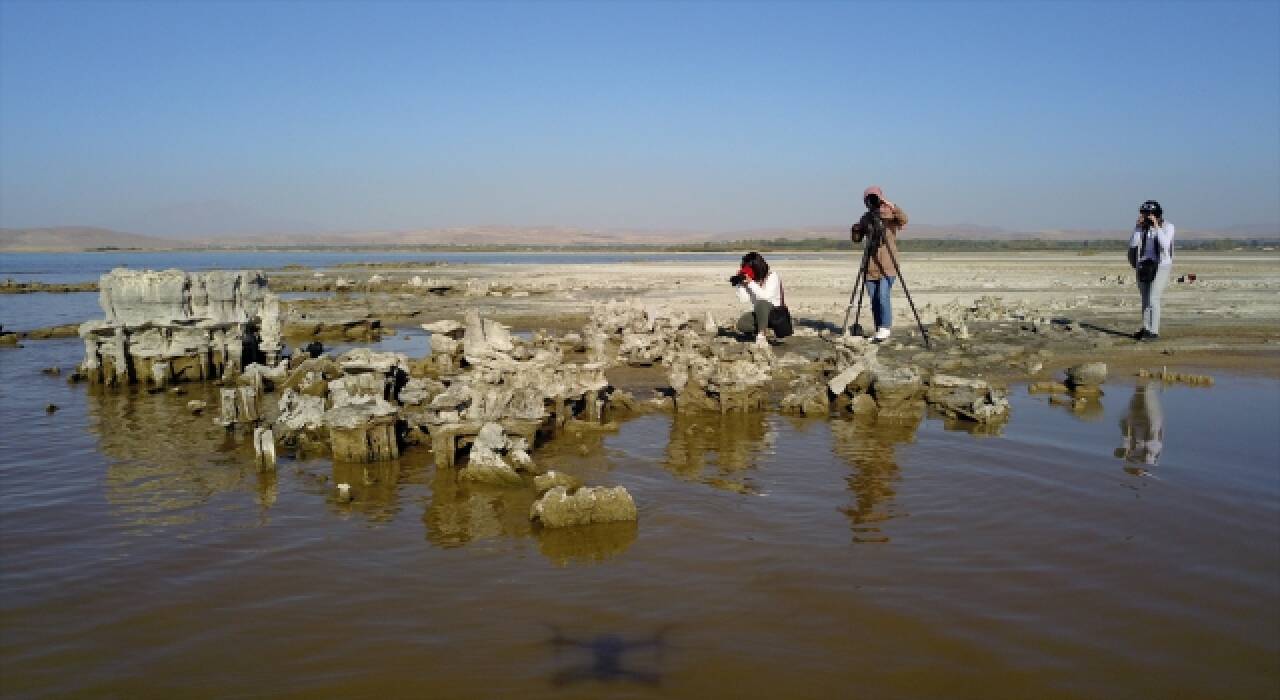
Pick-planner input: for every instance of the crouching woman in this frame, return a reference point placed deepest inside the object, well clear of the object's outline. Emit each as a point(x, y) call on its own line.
point(760, 288)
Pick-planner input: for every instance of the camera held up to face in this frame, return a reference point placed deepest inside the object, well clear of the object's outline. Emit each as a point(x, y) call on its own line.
point(1151, 212)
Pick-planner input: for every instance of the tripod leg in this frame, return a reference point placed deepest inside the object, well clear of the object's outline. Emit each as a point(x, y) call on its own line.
point(898, 269)
point(848, 309)
point(859, 284)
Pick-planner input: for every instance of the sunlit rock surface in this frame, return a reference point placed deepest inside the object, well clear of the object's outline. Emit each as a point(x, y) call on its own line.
point(171, 325)
point(585, 506)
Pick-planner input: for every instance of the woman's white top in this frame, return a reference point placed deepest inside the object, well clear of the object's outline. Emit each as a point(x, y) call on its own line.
point(1164, 234)
point(770, 291)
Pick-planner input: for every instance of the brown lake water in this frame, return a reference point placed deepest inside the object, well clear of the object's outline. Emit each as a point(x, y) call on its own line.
point(1134, 553)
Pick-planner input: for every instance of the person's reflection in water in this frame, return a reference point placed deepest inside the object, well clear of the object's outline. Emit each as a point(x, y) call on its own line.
point(1143, 430)
point(870, 446)
point(717, 449)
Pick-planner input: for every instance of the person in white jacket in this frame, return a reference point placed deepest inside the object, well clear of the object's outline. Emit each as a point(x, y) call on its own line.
point(760, 288)
point(1151, 255)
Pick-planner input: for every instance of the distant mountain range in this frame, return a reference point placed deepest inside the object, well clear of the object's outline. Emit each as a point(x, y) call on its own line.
point(62, 239)
point(81, 238)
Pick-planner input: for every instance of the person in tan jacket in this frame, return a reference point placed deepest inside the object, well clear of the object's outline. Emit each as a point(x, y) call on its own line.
point(881, 270)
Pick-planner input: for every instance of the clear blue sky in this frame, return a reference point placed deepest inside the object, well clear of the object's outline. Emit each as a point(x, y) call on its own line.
point(714, 116)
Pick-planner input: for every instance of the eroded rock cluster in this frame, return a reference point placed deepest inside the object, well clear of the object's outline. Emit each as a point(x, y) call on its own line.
point(170, 325)
point(482, 393)
point(705, 370)
point(851, 378)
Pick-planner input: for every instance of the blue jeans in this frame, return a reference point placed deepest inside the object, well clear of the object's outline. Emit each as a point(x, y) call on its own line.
point(881, 307)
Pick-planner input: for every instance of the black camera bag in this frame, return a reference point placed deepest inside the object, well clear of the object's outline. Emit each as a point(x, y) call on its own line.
point(1147, 269)
point(780, 317)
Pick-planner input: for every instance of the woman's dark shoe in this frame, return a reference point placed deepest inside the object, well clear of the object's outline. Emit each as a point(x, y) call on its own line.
point(1150, 337)
point(1142, 333)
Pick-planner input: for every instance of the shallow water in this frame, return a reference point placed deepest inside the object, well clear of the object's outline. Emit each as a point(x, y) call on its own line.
point(143, 555)
point(24, 312)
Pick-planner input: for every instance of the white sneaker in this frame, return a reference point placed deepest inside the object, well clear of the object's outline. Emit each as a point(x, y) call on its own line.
point(882, 334)
point(761, 341)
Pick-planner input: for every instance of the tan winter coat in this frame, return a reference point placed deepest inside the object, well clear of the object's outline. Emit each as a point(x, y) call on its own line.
point(881, 263)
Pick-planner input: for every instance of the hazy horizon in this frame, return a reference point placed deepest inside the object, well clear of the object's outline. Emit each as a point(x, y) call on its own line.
point(235, 119)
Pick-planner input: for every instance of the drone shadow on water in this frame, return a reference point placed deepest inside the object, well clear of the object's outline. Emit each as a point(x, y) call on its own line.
point(602, 658)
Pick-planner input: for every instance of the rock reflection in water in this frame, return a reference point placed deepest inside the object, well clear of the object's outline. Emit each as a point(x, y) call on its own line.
point(870, 447)
point(588, 544)
point(166, 463)
point(462, 512)
point(374, 488)
point(717, 449)
point(605, 664)
point(1143, 430)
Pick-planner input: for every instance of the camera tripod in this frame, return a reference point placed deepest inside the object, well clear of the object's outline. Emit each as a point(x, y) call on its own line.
point(875, 238)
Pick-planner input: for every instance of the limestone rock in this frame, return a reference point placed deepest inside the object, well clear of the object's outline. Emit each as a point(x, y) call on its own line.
point(135, 297)
point(177, 326)
point(894, 385)
point(847, 376)
point(239, 405)
point(367, 360)
point(363, 430)
point(264, 444)
point(419, 391)
point(485, 337)
point(1089, 374)
point(560, 508)
point(449, 329)
point(491, 437)
point(298, 411)
point(971, 399)
point(545, 482)
point(806, 398)
point(487, 466)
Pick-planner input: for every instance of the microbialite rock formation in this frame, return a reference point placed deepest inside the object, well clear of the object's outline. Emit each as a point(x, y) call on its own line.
point(170, 325)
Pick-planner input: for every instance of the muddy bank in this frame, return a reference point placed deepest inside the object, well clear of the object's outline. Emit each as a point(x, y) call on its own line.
point(11, 286)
